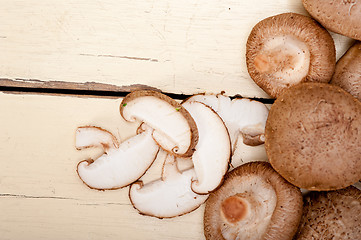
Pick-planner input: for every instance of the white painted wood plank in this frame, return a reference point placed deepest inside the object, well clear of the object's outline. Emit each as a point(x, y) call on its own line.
point(43, 219)
point(177, 46)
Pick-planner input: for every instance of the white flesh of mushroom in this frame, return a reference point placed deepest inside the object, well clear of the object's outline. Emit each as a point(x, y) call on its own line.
point(118, 166)
point(213, 150)
point(169, 196)
point(244, 119)
point(171, 129)
point(91, 136)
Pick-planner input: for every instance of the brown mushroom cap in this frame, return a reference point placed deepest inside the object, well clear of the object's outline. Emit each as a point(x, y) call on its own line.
point(313, 136)
point(287, 49)
point(348, 71)
point(254, 202)
point(342, 17)
point(331, 215)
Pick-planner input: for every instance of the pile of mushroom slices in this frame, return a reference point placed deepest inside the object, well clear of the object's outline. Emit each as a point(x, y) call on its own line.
point(204, 131)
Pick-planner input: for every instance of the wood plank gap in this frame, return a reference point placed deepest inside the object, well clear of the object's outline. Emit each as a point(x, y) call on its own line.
point(100, 93)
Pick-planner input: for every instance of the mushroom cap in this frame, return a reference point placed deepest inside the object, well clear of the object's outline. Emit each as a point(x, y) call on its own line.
point(348, 71)
point(254, 202)
point(342, 17)
point(313, 136)
point(174, 128)
point(331, 215)
point(287, 49)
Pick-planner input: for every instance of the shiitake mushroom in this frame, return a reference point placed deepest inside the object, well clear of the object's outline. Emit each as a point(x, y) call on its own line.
point(287, 49)
point(313, 137)
point(331, 215)
point(348, 71)
point(254, 202)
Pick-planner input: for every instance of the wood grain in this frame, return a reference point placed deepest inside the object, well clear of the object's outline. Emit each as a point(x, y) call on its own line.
point(181, 47)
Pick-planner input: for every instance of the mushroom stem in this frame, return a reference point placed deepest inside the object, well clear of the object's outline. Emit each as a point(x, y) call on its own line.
point(234, 209)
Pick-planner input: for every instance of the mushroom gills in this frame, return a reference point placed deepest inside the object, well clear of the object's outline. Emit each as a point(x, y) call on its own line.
point(119, 167)
point(213, 150)
point(174, 129)
point(245, 121)
point(169, 196)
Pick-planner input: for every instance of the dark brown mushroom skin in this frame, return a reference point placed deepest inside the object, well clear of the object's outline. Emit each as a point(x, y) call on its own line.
point(348, 71)
point(317, 39)
point(331, 215)
point(341, 16)
point(285, 218)
point(313, 137)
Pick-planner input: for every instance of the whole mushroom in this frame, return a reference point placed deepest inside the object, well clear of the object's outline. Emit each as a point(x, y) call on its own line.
point(254, 202)
point(348, 71)
point(331, 215)
point(288, 49)
point(313, 137)
point(342, 17)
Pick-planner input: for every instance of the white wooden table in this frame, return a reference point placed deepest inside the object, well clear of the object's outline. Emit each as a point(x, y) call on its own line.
point(180, 47)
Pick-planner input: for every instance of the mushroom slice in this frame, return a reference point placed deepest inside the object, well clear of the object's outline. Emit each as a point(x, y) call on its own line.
point(119, 167)
point(169, 196)
point(287, 49)
point(348, 71)
point(342, 17)
point(245, 120)
point(331, 215)
point(213, 151)
point(92, 136)
point(313, 137)
point(174, 129)
point(254, 202)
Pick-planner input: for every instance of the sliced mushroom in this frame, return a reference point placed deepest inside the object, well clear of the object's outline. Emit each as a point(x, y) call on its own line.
point(118, 166)
point(287, 49)
point(342, 17)
point(213, 151)
point(245, 121)
point(313, 137)
point(254, 202)
point(174, 129)
point(331, 215)
point(169, 196)
point(348, 71)
point(92, 136)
